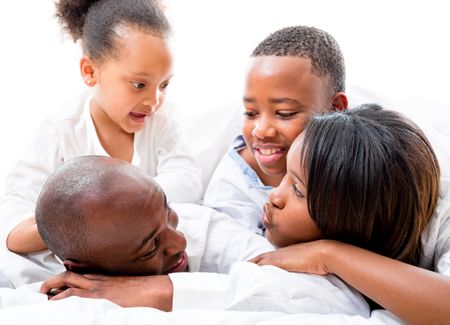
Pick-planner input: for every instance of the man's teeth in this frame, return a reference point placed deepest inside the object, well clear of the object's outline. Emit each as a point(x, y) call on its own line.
point(268, 152)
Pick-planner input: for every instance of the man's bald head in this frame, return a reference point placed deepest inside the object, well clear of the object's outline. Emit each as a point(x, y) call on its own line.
point(83, 191)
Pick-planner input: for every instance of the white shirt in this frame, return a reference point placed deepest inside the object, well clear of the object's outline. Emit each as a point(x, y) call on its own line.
point(237, 190)
point(158, 150)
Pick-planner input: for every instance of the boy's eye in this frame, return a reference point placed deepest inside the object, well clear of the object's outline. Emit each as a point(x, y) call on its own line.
point(137, 84)
point(297, 192)
point(286, 115)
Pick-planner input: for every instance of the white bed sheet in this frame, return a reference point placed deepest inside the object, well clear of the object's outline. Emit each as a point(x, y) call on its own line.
point(25, 305)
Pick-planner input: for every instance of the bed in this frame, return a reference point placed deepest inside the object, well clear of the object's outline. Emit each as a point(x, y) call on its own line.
point(21, 303)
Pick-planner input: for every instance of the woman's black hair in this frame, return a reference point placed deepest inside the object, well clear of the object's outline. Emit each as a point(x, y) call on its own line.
point(372, 180)
point(95, 22)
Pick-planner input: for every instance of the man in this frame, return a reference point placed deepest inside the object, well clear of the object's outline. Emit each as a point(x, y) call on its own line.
point(102, 215)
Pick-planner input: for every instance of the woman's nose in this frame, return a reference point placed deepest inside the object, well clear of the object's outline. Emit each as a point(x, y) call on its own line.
point(276, 197)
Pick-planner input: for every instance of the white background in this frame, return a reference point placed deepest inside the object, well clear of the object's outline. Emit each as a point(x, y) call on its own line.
point(396, 48)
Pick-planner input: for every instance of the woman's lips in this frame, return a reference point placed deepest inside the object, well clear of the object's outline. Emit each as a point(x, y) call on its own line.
point(181, 265)
point(266, 218)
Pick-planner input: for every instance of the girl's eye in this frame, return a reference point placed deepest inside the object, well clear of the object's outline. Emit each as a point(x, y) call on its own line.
point(152, 251)
point(297, 192)
point(250, 114)
point(164, 85)
point(286, 115)
point(137, 84)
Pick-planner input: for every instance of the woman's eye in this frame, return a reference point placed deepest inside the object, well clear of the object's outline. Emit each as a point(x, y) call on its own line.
point(137, 84)
point(297, 192)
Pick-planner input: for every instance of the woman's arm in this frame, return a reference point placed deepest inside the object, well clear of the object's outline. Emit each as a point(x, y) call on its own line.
point(25, 238)
point(416, 295)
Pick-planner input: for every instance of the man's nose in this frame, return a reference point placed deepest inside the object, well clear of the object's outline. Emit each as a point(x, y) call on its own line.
point(264, 128)
point(175, 242)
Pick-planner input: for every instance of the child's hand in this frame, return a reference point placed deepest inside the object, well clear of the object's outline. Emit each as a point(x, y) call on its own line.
point(25, 238)
point(305, 257)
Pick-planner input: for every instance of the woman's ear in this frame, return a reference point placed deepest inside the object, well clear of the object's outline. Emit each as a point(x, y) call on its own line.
point(340, 101)
point(74, 265)
point(87, 69)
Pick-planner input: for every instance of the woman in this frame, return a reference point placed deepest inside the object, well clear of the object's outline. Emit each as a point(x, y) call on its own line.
point(361, 187)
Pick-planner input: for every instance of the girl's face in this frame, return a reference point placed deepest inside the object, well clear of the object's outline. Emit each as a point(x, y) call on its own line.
point(131, 87)
point(281, 93)
point(286, 216)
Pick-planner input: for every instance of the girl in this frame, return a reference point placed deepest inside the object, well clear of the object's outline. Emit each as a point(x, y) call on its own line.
point(361, 186)
point(127, 63)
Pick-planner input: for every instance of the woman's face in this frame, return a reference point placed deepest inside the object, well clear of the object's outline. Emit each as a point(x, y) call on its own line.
point(286, 216)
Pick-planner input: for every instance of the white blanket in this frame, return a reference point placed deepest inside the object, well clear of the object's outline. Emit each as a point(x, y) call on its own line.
point(26, 306)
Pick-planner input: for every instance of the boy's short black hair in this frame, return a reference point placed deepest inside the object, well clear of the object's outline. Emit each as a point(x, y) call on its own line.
point(315, 44)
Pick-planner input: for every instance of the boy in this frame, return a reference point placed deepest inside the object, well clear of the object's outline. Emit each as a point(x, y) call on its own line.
point(293, 73)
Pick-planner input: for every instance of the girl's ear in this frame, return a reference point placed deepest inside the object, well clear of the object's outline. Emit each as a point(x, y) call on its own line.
point(74, 265)
point(340, 101)
point(87, 69)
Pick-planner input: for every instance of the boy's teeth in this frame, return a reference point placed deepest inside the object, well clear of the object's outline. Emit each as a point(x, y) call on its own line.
point(267, 152)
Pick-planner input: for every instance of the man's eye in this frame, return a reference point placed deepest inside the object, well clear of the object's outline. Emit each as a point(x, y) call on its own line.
point(152, 251)
point(137, 84)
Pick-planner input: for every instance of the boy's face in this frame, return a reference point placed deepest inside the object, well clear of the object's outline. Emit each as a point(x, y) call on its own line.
point(280, 95)
point(136, 234)
point(286, 215)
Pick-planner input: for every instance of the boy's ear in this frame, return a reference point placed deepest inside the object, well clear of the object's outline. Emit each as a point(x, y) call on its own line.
point(87, 69)
point(340, 101)
point(74, 265)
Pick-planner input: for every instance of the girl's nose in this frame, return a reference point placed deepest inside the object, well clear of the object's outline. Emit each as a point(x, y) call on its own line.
point(152, 99)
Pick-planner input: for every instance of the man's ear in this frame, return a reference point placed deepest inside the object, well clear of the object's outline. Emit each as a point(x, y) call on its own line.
point(74, 265)
point(88, 71)
point(339, 101)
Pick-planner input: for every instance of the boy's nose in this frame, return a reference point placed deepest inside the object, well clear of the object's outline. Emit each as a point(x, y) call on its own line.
point(264, 129)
